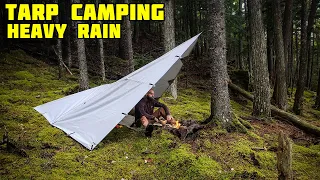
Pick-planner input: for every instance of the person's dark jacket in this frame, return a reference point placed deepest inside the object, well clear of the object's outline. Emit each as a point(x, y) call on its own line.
point(145, 108)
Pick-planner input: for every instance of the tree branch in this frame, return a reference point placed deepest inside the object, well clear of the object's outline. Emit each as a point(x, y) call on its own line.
point(62, 61)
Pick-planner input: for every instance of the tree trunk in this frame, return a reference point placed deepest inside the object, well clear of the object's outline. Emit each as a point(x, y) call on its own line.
point(310, 56)
point(126, 51)
point(240, 38)
point(101, 52)
point(5, 42)
point(201, 27)
point(309, 67)
point(2, 25)
point(297, 54)
point(280, 87)
point(270, 35)
point(311, 18)
point(169, 38)
point(60, 59)
point(68, 34)
point(220, 100)
point(287, 36)
point(59, 46)
point(261, 86)
point(317, 103)
point(290, 61)
point(297, 107)
point(284, 157)
point(84, 79)
point(68, 46)
point(249, 60)
point(196, 24)
point(136, 32)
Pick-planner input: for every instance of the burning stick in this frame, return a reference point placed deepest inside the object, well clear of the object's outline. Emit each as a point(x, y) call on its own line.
point(183, 129)
point(176, 125)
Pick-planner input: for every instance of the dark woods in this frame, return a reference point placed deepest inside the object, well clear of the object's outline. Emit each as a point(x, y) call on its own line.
point(273, 44)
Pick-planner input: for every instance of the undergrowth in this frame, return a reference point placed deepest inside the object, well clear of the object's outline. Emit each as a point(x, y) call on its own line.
point(215, 154)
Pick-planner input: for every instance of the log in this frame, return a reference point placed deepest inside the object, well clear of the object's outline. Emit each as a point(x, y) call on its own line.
point(296, 121)
point(284, 158)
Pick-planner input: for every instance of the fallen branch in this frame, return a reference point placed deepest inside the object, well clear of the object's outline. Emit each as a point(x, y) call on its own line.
point(308, 128)
point(259, 148)
point(62, 62)
point(40, 54)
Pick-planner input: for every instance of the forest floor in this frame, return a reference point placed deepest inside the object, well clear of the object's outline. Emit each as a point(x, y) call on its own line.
point(26, 82)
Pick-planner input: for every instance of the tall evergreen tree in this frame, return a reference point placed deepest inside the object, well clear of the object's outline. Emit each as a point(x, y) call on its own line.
point(249, 57)
point(311, 18)
point(317, 103)
point(84, 79)
point(270, 44)
point(101, 52)
point(126, 50)
point(280, 87)
point(261, 87)
point(287, 39)
point(306, 30)
point(169, 37)
point(297, 107)
point(69, 33)
point(58, 47)
point(4, 41)
point(220, 100)
point(240, 62)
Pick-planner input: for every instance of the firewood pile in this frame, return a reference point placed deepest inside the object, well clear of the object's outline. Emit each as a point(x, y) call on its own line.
point(184, 129)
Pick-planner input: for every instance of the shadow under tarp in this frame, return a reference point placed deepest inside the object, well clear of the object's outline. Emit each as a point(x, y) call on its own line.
point(129, 120)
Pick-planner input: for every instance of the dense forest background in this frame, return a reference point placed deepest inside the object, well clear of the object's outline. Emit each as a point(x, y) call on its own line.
point(290, 38)
point(267, 47)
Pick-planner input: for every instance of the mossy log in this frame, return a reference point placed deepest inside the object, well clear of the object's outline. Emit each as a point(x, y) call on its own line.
point(308, 128)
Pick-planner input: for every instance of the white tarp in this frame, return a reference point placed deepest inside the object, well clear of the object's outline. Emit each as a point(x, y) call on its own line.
point(88, 116)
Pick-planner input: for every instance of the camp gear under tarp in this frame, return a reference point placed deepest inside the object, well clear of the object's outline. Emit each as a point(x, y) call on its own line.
point(88, 116)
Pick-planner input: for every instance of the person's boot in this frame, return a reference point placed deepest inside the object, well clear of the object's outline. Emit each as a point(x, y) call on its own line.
point(149, 130)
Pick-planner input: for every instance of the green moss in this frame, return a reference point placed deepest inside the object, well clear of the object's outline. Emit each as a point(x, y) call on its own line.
point(305, 161)
point(22, 84)
point(24, 75)
point(49, 135)
point(214, 154)
point(255, 138)
point(268, 161)
point(190, 104)
point(245, 123)
point(205, 167)
point(237, 126)
point(243, 146)
point(315, 147)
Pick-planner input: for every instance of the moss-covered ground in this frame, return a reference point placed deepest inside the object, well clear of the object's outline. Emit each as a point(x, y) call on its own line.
point(26, 82)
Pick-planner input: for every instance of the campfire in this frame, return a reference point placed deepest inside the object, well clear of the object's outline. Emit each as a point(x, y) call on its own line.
point(176, 125)
point(184, 128)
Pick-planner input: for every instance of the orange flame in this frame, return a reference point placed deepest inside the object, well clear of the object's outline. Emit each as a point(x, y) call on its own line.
point(176, 125)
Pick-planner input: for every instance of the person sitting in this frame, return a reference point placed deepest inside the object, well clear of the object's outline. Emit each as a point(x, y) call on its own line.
point(145, 114)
